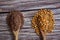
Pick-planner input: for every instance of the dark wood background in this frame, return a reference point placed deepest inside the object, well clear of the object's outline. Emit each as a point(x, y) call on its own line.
point(32, 6)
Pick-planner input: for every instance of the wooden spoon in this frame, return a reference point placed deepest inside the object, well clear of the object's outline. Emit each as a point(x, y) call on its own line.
point(15, 22)
point(43, 22)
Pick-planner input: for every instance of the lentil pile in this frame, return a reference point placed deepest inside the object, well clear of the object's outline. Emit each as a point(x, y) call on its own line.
point(15, 20)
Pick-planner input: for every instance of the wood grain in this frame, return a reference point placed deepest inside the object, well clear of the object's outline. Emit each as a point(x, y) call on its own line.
point(27, 33)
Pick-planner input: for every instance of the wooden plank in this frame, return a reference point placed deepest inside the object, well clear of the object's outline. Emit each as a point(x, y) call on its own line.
point(32, 6)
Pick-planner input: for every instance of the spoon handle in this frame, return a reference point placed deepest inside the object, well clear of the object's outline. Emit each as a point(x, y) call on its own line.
point(16, 35)
point(42, 35)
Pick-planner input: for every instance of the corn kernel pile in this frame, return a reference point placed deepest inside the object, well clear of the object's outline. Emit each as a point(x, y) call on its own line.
point(46, 21)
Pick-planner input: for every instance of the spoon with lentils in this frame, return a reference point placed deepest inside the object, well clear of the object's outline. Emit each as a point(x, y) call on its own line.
point(15, 22)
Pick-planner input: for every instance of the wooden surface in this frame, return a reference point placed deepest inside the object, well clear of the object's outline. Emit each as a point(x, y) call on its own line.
point(27, 33)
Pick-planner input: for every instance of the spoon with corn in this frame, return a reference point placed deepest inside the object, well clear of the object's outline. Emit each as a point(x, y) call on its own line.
point(43, 23)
